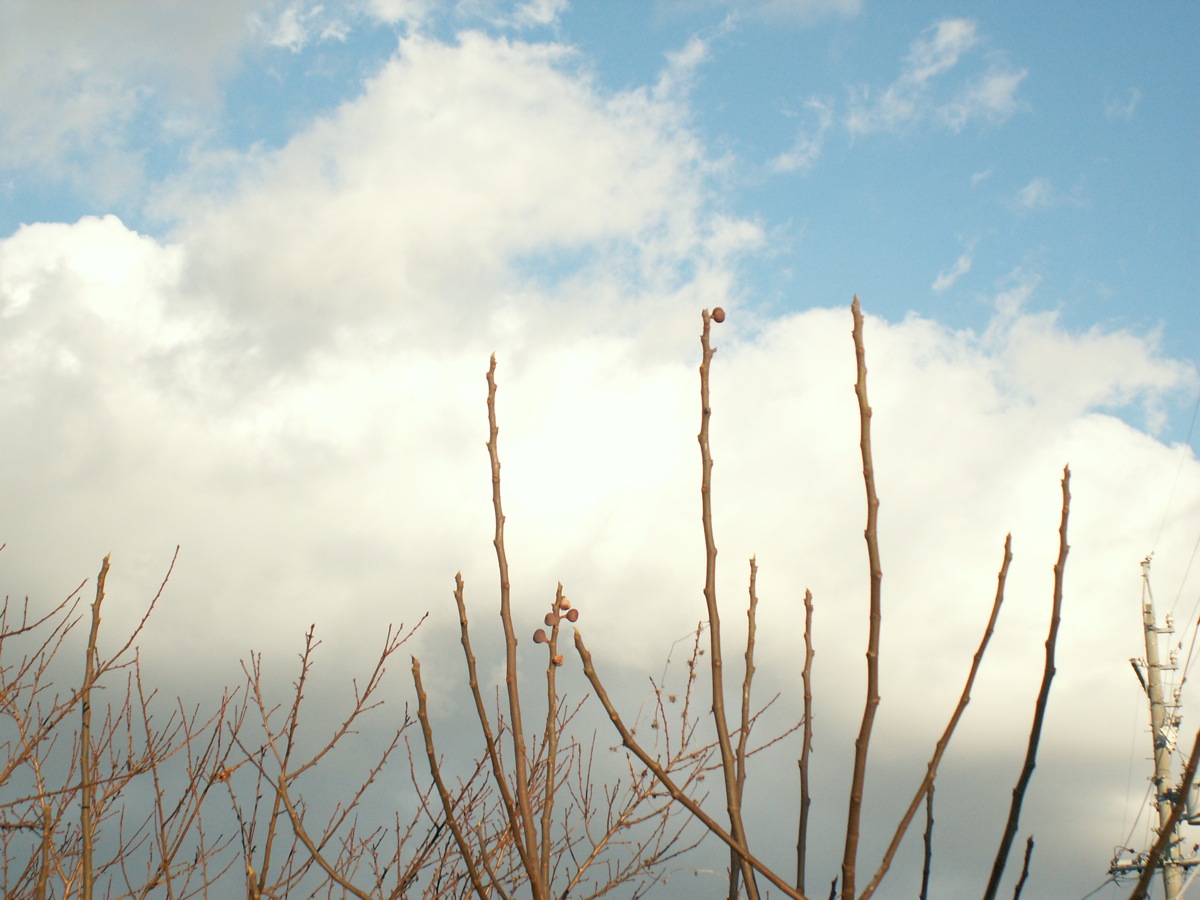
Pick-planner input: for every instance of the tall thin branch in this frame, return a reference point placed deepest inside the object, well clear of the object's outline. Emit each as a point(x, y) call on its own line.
point(927, 863)
point(676, 792)
point(550, 733)
point(744, 728)
point(732, 801)
point(944, 741)
point(1039, 713)
point(86, 786)
point(435, 770)
point(520, 761)
point(862, 742)
point(805, 795)
point(490, 740)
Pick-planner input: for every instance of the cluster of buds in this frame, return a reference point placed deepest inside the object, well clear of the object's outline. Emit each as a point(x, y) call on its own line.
point(560, 609)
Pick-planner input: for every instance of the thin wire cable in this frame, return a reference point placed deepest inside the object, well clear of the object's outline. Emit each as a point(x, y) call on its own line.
point(1103, 885)
point(1129, 780)
point(1190, 658)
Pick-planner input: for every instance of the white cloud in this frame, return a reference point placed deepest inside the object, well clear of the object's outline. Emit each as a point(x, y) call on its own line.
point(992, 98)
point(1124, 106)
point(507, 14)
point(809, 143)
point(938, 50)
point(541, 12)
point(947, 279)
point(795, 11)
point(911, 98)
point(678, 77)
point(76, 75)
point(505, 132)
point(298, 24)
point(394, 12)
point(1038, 192)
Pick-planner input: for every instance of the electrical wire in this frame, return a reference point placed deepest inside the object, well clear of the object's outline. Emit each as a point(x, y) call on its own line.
point(1110, 880)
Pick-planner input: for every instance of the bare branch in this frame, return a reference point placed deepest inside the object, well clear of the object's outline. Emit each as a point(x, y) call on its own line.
point(520, 762)
point(1039, 714)
point(677, 793)
point(944, 741)
point(732, 800)
point(805, 796)
point(862, 742)
point(927, 863)
point(436, 772)
point(86, 770)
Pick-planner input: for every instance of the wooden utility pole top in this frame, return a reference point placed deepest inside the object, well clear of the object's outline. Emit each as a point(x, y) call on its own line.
point(1164, 728)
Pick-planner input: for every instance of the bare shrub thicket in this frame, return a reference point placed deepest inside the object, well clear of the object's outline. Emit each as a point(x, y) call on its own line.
point(109, 790)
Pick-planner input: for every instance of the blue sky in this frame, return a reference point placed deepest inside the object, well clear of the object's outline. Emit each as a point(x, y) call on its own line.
point(254, 255)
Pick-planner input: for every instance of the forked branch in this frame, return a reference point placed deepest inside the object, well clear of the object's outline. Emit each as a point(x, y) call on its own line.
point(1039, 713)
point(733, 801)
point(931, 773)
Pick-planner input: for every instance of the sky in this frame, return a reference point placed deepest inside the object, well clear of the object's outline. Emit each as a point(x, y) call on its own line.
point(255, 255)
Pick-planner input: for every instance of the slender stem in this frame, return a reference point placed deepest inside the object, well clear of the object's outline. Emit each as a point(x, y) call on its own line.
point(862, 742)
point(493, 750)
point(805, 796)
point(550, 734)
point(927, 864)
point(944, 741)
point(520, 761)
point(1024, 869)
point(732, 800)
point(744, 728)
point(1039, 713)
point(436, 771)
point(677, 793)
point(86, 785)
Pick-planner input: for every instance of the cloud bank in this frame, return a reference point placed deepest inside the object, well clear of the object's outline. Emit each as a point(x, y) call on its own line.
point(290, 385)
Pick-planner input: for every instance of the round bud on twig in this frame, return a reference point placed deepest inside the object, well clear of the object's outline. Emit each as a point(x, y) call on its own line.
point(564, 603)
point(572, 615)
point(718, 315)
point(539, 637)
point(551, 618)
point(558, 660)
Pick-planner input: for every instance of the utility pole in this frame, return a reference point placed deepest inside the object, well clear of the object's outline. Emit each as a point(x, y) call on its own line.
point(1164, 726)
point(1163, 730)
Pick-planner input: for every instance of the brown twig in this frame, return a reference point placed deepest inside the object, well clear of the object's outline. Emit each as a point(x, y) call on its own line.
point(744, 730)
point(1024, 868)
point(86, 764)
point(436, 771)
point(944, 741)
point(490, 741)
point(677, 793)
point(550, 733)
point(520, 761)
point(927, 860)
point(1039, 714)
point(806, 748)
point(862, 742)
point(721, 722)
